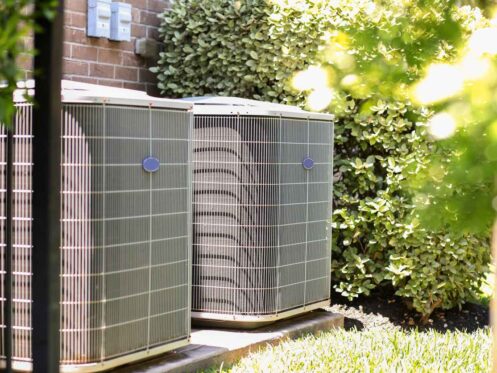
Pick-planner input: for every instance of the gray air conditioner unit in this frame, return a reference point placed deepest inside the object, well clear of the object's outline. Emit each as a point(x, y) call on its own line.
point(125, 227)
point(262, 193)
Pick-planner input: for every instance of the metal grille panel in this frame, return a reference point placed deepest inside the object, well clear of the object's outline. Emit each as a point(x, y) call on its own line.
point(261, 240)
point(125, 254)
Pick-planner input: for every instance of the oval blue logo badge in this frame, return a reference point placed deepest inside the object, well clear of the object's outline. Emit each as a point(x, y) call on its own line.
point(308, 163)
point(151, 164)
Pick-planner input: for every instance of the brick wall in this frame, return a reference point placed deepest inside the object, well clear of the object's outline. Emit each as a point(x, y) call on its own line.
point(105, 62)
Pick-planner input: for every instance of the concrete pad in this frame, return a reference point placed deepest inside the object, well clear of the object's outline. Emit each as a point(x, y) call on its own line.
point(215, 346)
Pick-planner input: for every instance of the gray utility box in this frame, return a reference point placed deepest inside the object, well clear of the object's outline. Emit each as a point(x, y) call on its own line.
point(99, 13)
point(125, 224)
point(262, 193)
point(120, 23)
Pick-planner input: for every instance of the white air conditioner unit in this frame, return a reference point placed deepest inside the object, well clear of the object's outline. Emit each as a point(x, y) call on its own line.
point(262, 195)
point(125, 227)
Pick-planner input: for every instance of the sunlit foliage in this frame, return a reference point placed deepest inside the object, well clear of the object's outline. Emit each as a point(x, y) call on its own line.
point(461, 192)
point(17, 22)
point(442, 56)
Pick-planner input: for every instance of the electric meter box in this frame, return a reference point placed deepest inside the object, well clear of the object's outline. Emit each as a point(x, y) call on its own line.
point(99, 12)
point(120, 24)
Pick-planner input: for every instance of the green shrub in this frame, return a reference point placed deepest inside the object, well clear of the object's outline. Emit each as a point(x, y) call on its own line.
point(14, 27)
point(252, 49)
point(17, 22)
point(241, 48)
point(377, 237)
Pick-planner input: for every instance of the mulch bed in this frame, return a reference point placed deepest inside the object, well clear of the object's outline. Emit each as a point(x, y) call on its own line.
point(382, 309)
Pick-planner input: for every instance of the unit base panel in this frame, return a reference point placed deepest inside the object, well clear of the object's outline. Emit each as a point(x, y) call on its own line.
point(223, 320)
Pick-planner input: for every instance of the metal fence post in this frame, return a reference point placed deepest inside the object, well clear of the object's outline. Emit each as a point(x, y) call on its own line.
point(46, 188)
point(7, 311)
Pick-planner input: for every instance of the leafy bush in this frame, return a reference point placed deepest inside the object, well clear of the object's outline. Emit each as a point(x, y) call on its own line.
point(253, 48)
point(14, 27)
point(17, 21)
point(377, 237)
point(241, 48)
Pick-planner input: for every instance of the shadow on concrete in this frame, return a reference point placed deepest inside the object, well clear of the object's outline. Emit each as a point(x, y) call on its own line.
point(214, 346)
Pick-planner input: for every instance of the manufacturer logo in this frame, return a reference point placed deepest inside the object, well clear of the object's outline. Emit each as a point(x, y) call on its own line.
point(308, 163)
point(151, 164)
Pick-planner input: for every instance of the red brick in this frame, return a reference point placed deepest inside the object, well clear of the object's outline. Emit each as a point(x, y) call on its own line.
point(124, 45)
point(111, 44)
point(157, 5)
point(75, 67)
point(131, 59)
point(153, 33)
point(67, 18)
point(138, 31)
point(110, 83)
point(66, 52)
point(101, 61)
point(142, 4)
point(110, 56)
point(126, 73)
point(137, 86)
point(135, 15)
point(76, 5)
point(75, 36)
point(102, 71)
point(82, 52)
point(101, 42)
point(149, 19)
point(74, 19)
point(83, 79)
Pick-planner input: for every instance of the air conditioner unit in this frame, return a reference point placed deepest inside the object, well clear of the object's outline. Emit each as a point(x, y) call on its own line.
point(262, 196)
point(125, 227)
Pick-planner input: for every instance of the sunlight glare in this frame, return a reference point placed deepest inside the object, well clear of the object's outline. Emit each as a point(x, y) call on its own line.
point(442, 81)
point(483, 41)
point(350, 80)
point(314, 77)
point(320, 98)
point(442, 126)
point(473, 67)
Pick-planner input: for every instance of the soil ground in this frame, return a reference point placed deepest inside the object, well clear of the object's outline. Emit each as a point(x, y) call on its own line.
point(382, 309)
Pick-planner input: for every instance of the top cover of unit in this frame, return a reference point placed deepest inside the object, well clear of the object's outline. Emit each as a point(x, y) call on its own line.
point(77, 92)
point(220, 105)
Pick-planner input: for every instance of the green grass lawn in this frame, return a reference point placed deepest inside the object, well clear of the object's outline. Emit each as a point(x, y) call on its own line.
point(382, 346)
point(374, 351)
